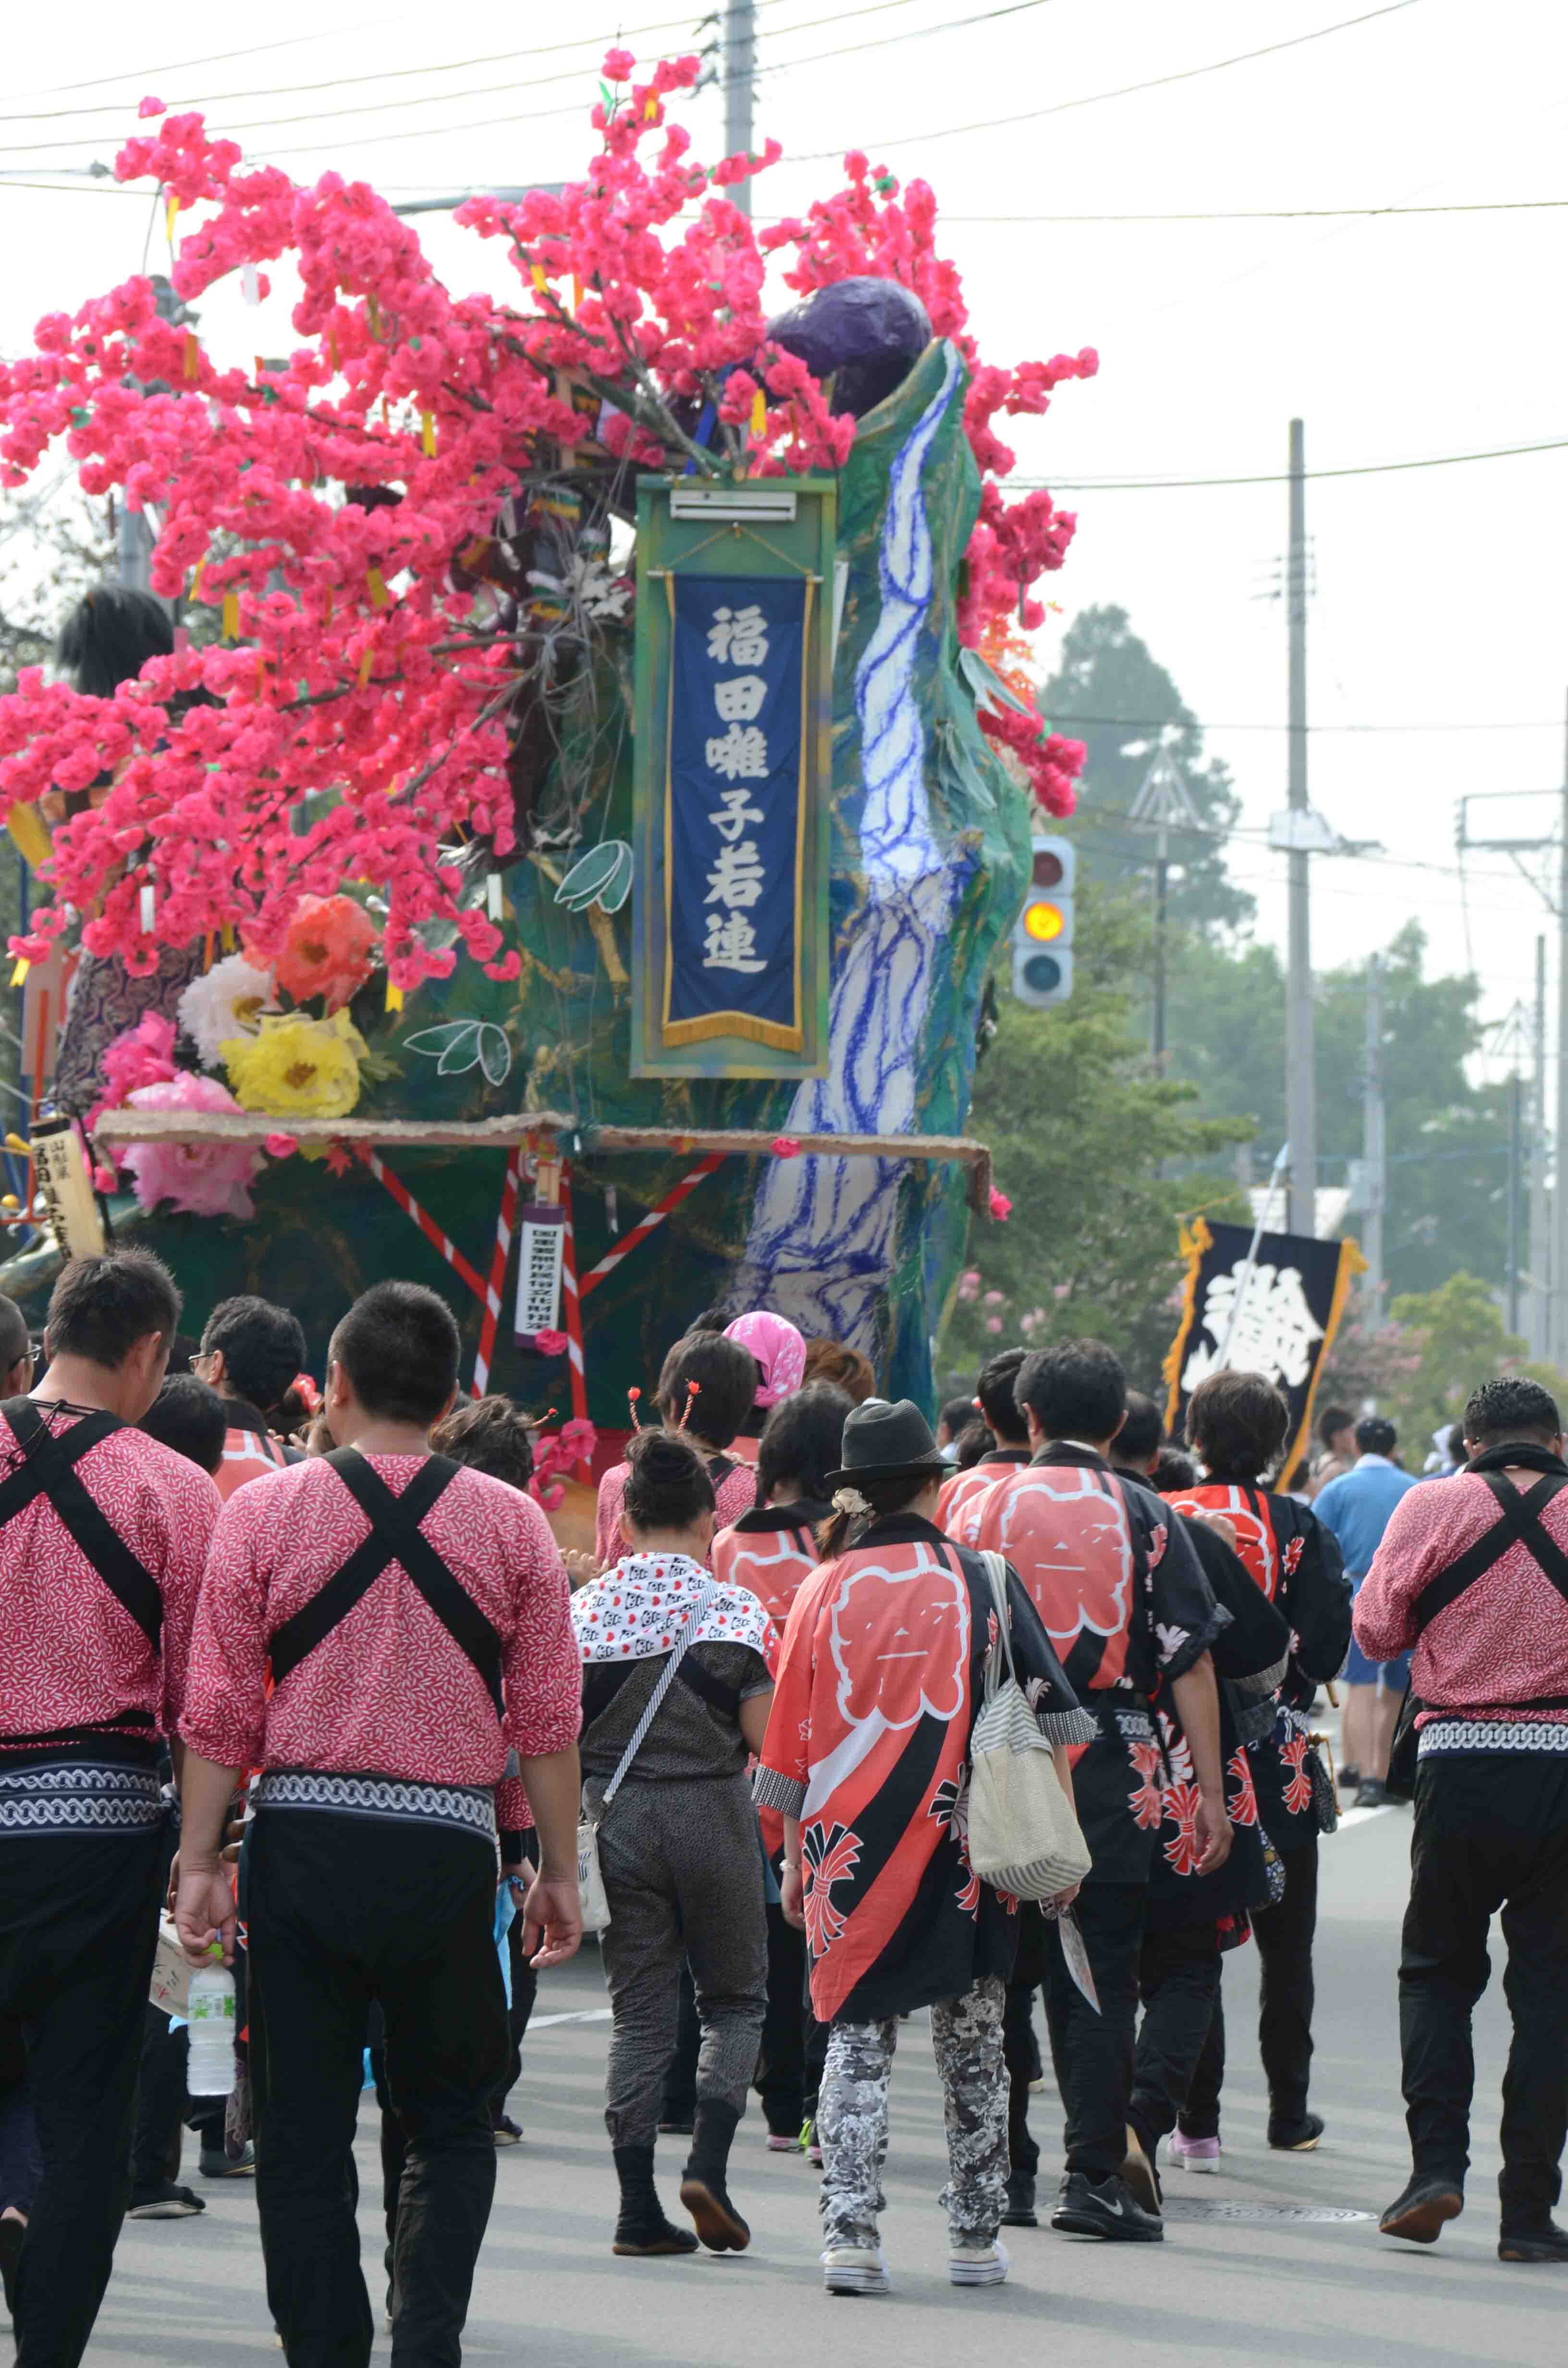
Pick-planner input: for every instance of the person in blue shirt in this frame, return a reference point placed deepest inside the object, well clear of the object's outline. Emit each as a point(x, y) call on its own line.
point(1357, 1508)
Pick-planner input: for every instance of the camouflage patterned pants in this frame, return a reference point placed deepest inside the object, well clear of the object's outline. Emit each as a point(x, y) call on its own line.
point(852, 2118)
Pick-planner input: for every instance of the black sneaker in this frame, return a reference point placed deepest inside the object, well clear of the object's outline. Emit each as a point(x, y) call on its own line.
point(1373, 1794)
point(165, 2202)
point(1018, 2211)
point(1088, 2207)
point(506, 2131)
point(218, 2163)
point(676, 2129)
point(1297, 2137)
point(1537, 2240)
point(1139, 2176)
point(1419, 2214)
point(1349, 1777)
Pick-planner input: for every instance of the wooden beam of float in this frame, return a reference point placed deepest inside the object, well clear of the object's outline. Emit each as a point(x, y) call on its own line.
point(542, 1129)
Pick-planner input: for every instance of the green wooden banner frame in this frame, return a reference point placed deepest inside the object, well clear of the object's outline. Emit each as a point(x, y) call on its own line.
point(729, 530)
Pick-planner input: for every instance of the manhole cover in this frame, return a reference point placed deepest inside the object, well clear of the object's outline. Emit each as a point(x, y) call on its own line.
point(1179, 2207)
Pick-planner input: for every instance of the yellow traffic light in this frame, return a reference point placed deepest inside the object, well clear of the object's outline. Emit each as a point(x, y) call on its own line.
point(1044, 921)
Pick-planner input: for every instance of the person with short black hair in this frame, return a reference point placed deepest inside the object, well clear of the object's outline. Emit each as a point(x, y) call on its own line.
point(1007, 1447)
point(1472, 1580)
point(772, 1551)
point(660, 1633)
point(707, 1387)
point(973, 1444)
point(191, 1418)
point(103, 1535)
point(490, 1434)
point(955, 1415)
point(1123, 1597)
point(1357, 1508)
point(413, 1614)
point(1142, 1435)
point(17, 1360)
point(250, 1353)
point(1239, 1423)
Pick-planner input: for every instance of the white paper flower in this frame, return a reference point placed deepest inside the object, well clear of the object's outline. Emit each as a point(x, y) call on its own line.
point(224, 1002)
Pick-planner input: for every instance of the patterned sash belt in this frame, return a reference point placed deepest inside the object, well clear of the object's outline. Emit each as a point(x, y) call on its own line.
point(1444, 1732)
point(79, 1796)
point(398, 1799)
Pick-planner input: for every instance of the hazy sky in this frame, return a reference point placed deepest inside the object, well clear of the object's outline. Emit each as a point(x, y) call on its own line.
point(1439, 592)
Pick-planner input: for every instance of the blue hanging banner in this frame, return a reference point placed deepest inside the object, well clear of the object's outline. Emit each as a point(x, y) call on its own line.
point(736, 809)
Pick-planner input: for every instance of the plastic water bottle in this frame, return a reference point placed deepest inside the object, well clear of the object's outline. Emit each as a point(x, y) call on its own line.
point(211, 2014)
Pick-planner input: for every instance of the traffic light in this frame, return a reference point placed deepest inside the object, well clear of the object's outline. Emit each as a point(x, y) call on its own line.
point(1042, 934)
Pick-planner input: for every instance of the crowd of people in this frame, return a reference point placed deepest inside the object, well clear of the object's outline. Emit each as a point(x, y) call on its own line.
point(309, 1666)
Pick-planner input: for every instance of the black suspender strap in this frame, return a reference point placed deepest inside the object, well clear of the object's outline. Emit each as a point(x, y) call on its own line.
point(1521, 1524)
point(395, 1536)
point(47, 1469)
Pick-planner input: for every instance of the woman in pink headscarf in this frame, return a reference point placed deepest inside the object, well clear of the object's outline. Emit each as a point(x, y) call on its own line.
point(780, 1353)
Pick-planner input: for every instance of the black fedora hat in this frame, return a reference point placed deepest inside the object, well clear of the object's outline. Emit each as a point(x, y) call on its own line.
point(887, 1443)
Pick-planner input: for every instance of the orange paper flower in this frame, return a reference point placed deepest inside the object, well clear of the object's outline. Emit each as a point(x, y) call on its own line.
point(327, 950)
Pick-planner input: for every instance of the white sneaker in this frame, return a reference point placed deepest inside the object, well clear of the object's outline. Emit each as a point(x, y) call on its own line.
point(977, 2265)
point(853, 2269)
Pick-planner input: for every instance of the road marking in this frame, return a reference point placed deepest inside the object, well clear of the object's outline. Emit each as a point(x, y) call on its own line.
point(586, 2014)
point(1348, 1817)
point(1180, 2207)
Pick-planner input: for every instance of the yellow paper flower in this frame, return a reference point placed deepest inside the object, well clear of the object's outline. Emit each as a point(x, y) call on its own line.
point(297, 1068)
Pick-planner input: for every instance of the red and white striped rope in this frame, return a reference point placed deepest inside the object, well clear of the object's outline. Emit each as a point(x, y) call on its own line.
point(498, 1257)
point(571, 1308)
point(423, 1219)
point(656, 1216)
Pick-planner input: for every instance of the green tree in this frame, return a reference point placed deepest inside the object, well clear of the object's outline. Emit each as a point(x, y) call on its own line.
point(1458, 1339)
point(1447, 1139)
point(1110, 692)
point(1099, 1157)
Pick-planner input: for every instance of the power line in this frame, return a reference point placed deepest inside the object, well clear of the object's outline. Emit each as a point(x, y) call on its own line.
point(1271, 477)
point(596, 42)
point(1197, 723)
point(584, 69)
point(1124, 90)
point(1266, 213)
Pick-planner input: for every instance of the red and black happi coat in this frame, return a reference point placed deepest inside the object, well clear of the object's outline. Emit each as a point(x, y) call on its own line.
point(957, 1506)
point(1250, 1656)
point(1296, 1563)
point(881, 1673)
point(1123, 1599)
point(771, 1550)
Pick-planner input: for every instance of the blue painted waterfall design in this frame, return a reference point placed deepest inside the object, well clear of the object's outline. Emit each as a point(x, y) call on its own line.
point(820, 1248)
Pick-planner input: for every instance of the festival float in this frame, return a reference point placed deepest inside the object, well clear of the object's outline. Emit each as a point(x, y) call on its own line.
point(558, 849)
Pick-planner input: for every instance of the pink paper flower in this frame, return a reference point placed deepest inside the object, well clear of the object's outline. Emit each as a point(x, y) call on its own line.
point(1001, 1207)
point(206, 1179)
point(281, 1146)
point(785, 1146)
point(994, 1324)
point(551, 1344)
point(151, 107)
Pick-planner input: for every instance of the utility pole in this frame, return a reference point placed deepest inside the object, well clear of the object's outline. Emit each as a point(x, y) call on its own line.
point(1162, 800)
point(1540, 1228)
point(1374, 1147)
point(1300, 1085)
point(740, 74)
point(1559, 1349)
point(1516, 1178)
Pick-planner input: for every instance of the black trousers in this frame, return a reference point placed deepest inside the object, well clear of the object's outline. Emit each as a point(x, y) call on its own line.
point(1490, 1832)
point(1284, 1935)
point(78, 1926)
point(1178, 1981)
point(343, 1911)
point(781, 2062)
point(1092, 2053)
point(1020, 2058)
point(394, 2137)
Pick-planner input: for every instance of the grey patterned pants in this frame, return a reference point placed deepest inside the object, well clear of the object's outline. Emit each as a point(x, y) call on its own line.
point(683, 1872)
point(852, 2118)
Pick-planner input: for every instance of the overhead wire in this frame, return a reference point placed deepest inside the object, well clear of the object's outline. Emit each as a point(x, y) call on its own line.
point(1274, 476)
point(1123, 90)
